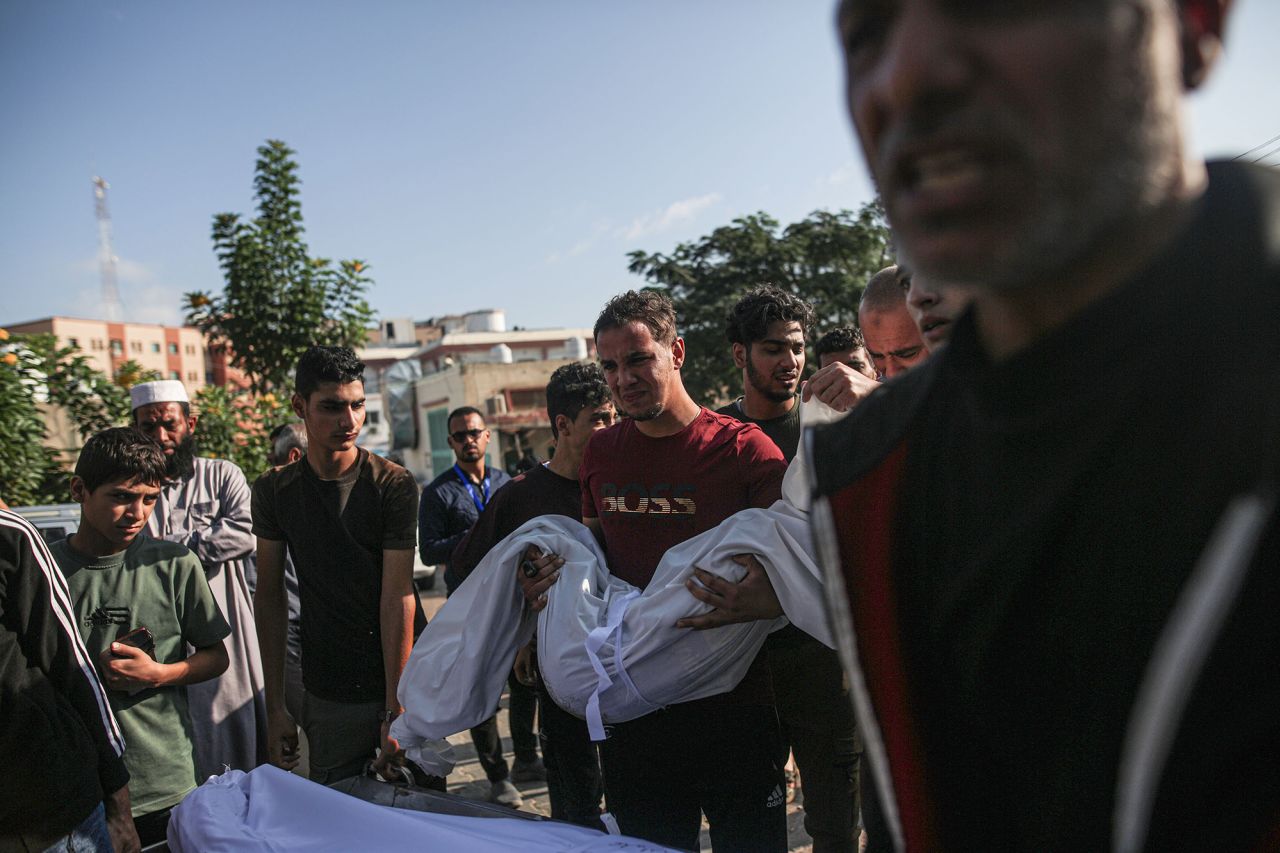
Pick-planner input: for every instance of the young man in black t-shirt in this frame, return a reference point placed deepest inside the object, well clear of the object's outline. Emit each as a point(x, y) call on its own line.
point(767, 329)
point(578, 404)
point(348, 520)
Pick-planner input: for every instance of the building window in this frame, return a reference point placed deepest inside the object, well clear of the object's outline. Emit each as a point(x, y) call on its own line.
point(191, 375)
point(173, 374)
point(117, 346)
point(155, 346)
point(371, 418)
point(190, 349)
point(72, 342)
point(173, 349)
point(438, 434)
point(136, 346)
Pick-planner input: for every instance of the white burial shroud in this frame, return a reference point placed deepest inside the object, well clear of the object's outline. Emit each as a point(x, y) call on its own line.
point(608, 651)
point(269, 810)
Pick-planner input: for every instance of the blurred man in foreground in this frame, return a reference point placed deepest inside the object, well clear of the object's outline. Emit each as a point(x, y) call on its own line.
point(1056, 586)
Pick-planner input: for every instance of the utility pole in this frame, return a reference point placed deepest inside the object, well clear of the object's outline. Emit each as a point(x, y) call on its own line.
point(106, 256)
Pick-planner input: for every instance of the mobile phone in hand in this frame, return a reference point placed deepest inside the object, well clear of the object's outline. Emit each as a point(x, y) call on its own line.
point(140, 638)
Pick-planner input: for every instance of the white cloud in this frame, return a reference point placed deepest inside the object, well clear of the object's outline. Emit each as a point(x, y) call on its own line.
point(676, 212)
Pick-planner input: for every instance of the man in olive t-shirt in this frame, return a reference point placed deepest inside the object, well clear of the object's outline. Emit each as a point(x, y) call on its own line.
point(119, 582)
point(160, 585)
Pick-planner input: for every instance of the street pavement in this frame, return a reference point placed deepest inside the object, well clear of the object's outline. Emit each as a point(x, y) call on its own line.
point(468, 779)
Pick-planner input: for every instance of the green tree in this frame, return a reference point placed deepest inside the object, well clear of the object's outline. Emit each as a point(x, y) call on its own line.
point(28, 469)
point(824, 259)
point(235, 425)
point(277, 300)
point(37, 376)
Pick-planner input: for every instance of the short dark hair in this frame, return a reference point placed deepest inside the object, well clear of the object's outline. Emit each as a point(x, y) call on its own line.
point(462, 412)
point(639, 306)
point(750, 317)
point(285, 438)
point(839, 340)
point(120, 454)
point(326, 364)
point(884, 291)
point(575, 387)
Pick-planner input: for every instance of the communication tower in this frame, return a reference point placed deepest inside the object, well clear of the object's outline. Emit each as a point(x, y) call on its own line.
point(106, 256)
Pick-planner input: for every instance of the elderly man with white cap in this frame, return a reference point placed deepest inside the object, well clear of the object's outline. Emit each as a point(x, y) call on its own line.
point(205, 506)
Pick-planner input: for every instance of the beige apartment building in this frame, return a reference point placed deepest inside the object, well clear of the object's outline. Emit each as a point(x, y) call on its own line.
point(176, 352)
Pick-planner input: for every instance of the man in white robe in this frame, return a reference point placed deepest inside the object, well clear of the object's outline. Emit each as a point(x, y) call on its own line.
point(205, 506)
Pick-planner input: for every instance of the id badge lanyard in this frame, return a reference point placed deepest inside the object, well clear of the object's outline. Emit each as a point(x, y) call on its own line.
point(476, 497)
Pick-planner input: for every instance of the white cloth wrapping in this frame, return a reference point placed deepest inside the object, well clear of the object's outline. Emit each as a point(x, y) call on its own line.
point(269, 810)
point(608, 652)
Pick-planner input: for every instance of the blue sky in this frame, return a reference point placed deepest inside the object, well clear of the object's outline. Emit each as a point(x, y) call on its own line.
point(490, 153)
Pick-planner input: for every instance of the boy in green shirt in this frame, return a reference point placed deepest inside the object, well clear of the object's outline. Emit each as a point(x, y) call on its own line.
point(121, 581)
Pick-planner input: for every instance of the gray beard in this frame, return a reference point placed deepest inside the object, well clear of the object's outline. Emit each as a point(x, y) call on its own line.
point(1122, 169)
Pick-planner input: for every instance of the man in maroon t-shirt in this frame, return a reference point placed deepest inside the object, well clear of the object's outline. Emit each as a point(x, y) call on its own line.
point(670, 471)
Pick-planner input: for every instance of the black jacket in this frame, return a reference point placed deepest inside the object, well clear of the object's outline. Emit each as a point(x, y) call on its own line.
point(445, 513)
point(1054, 578)
point(60, 747)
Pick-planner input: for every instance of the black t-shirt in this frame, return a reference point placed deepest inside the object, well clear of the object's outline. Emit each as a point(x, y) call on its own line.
point(784, 430)
point(537, 492)
point(336, 531)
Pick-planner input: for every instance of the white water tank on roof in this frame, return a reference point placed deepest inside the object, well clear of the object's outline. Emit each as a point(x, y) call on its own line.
point(489, 320)
point(575, 348)
point(501, 354)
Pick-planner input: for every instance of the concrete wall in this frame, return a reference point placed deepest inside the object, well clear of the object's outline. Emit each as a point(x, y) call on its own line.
point(476, 385)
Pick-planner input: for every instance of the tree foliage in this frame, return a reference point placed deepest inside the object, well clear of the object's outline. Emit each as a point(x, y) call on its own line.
point(36, 376)
point(28, 469)
point(235, 425)
point(824, 259)
point(277, 300)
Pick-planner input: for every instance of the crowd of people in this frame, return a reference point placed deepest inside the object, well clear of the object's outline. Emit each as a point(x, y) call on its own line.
point(1049, 539)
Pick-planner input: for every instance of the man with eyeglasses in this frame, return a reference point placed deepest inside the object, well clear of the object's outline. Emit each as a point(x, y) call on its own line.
point(450, 506)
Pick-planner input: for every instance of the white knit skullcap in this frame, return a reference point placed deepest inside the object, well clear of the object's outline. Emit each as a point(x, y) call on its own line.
point(160, 391)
